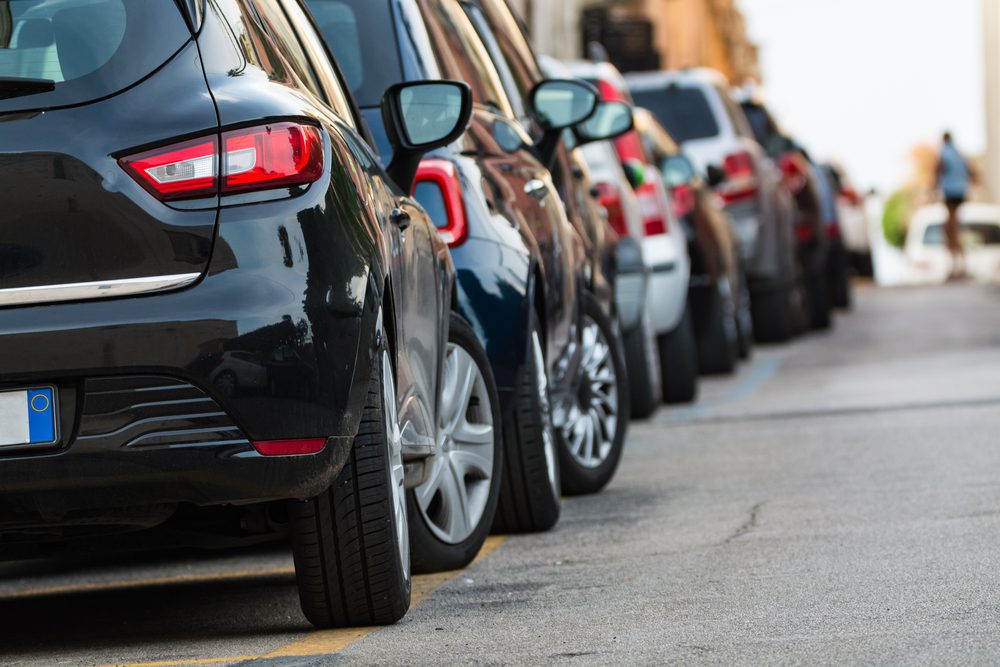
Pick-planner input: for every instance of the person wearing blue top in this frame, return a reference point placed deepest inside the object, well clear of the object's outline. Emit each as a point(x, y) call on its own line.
point(954, 177)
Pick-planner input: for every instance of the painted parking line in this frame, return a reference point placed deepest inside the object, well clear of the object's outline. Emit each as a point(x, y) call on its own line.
point(759, 373)
point(321, 642)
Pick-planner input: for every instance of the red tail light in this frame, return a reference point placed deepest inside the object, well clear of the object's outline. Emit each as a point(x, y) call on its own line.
point(255, 158)
point(437, 187)
point(833, 230)
point(653, 216)
point(804, 232)
point(741, 180)
point(610, 197)
point(684, 200)
point(289, 447)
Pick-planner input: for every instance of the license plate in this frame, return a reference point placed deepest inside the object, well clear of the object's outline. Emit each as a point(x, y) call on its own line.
point(29, 417)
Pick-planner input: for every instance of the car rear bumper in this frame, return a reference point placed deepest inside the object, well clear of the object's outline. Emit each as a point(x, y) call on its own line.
point(670, 272)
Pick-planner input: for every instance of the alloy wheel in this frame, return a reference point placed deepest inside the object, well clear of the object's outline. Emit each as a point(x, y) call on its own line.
point(396, 470)
point(454, 497)
point(589, 429)
point(548, 438)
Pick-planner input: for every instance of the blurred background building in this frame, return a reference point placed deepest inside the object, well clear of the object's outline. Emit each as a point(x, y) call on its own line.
point(991, 55)
point(646, 34)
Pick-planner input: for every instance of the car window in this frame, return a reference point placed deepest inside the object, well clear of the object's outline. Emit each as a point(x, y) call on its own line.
point(515, 92)
point(736, 116)
point(361, 37)
point(683, 110)
point(87, 49)
point(317, 53)
point(463, 54)
point(511, 40)
point(760, 122)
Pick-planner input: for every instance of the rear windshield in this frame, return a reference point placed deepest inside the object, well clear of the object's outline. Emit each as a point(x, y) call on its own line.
point(684, 111)
point(974, 234)
point(62, 52)
point(361, 37)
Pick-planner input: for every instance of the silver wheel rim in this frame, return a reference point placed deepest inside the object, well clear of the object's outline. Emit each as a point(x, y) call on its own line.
point(396, 470)
point(453, 499)
point(589, 430)
point(548, 438)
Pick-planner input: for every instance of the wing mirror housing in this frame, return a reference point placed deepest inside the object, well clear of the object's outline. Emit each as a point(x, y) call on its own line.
point(419, 117)
point(610, 121)
point(556, 105)
point(714, 176)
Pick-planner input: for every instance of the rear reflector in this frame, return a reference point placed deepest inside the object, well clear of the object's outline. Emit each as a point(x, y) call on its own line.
point(741, 181)
point(684, 200)
point(255, 158)
point(653, 216)
point(289, 447)
point(439, 190)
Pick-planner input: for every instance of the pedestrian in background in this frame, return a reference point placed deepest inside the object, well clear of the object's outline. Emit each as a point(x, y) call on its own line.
point(954, 177)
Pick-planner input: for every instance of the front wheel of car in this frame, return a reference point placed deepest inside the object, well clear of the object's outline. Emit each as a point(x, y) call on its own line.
point(592, 432)
point(351, 543)
point(452, 511)
point(718, 333)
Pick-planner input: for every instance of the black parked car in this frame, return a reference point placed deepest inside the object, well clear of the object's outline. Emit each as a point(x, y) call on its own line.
point(184, 181)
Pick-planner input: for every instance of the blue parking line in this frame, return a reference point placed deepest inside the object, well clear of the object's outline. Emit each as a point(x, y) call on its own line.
point(761, 371)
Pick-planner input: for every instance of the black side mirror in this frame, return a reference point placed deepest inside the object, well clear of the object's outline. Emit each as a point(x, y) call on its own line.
point(611, 120)
point(714, 176)
point(419, 117)
point(558, 104)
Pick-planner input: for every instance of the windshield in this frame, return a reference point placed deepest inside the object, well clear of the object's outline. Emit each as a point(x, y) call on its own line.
point(61, 52)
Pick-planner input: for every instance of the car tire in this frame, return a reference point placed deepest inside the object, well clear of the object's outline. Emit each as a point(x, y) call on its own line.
point(772, 316)
point(529, 492)
point(718, 336)
point(350, 543)
point(820, 316)
point(642, 365)
point(839, 274)
point(591, 443)
point(450, 514)
point(679, 361)
point(744, 321)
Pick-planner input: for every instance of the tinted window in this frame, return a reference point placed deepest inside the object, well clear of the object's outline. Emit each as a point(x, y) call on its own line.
point(973, 234)
point(760, 123)
point(510, 82)
point(87, 48)
point(684, 111)
point(289, 45)
point(430, 196)
point(361, 37)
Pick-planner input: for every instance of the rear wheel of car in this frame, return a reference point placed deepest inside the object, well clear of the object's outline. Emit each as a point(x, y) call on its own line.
point(529, 493)
point(773, 317)
point(593, 432)
point(819, 302)
point(718, 338)
point(351, 543)
point(839, 277)
point(450, 514)
point(642, 365)
point(679, 362)
point(744, 320)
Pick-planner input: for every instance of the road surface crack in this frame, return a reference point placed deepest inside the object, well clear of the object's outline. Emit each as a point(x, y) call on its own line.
point(747, 526)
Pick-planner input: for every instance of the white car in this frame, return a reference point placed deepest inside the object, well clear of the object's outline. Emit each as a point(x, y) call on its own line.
point(927, 249)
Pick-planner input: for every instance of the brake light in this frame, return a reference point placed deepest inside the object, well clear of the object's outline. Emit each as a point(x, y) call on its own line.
point(653, 216)
point(289, 447)
point(804, 232)
point(741, 180)
point(610, 197)
point(833, 230)
point(684, 200)
point(255, 158)
point(442, 176)
point(271, 156)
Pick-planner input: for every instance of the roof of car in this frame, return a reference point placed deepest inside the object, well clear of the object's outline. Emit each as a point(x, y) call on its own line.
point(694, 75)
point(588, 69)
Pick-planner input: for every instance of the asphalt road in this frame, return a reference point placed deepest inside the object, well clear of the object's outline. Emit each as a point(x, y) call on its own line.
point(836, 501)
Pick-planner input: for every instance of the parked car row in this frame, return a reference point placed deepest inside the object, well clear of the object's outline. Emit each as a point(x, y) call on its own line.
point(365, 275)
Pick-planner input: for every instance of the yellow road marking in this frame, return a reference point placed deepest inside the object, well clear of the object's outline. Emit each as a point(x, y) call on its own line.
point(319, 642)
point(328, 642)
point(141, 583)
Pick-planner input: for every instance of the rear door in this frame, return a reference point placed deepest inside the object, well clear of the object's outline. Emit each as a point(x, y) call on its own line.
point(84, 83)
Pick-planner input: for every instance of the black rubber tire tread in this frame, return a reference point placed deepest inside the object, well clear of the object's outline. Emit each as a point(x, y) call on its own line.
point(427, 552)
point(772, 316)
point(820, 308)
point(527, 502)
point(344, 540)
point(642, 365)
point(744, 320)
point(576, 479)
point(717, 352)
point(679, 362)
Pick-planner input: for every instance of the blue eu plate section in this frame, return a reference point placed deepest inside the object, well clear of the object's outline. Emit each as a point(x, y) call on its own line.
point(41, 416)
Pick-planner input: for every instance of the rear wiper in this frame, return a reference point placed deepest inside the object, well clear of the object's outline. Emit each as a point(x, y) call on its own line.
point(17, 87)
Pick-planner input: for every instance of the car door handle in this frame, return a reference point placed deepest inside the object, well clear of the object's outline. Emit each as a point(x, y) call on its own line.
point(400, 218)
point(536, 188)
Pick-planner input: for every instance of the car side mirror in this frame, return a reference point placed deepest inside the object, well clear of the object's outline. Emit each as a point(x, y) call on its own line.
point(610, 121)
point(714, 176)
point(635, 173)
point(558, 104)
point(419, 117)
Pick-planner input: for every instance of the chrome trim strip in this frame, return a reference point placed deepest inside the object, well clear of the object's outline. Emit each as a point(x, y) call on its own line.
point(19, 296)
